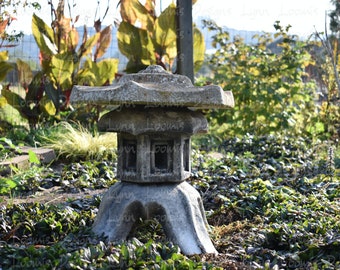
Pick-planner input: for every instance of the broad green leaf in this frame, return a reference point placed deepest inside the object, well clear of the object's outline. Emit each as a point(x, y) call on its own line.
point(98, 74)
point(129, 43)
point(135, 44)
point(6, 184)
point(62, 69)
point(24, 72)
point(125, 252)
point(52, 93)
point(3, 101)
point(85, 76)
point(18, 103)
point(165, 36)
point(107, 70)
point(87, 45)
point(47, 106)
point(133, 12)
point(10, 114)
point(74, 38)
point(148, 50)
point(35, 88)
point(4, 56)
point(13, 99)
point(199, 48)
point(165, 28)
point(133, 67)
point(4, 69)
point(43, 35)
point(104, 41)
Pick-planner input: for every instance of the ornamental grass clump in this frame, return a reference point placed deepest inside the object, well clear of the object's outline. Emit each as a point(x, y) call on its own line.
point(74, 141)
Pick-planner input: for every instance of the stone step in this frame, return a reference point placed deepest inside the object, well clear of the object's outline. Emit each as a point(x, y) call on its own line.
point(45, 155)
point(21, 162)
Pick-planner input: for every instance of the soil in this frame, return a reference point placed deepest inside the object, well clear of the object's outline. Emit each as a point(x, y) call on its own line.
point(55, 195)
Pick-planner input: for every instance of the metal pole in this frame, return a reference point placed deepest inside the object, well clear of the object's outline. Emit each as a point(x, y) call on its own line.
point(185, 61)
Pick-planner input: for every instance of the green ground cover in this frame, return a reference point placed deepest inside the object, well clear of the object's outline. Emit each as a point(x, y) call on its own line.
point(272, 202)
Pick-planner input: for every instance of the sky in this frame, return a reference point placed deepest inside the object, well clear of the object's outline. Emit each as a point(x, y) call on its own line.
point(305, 16)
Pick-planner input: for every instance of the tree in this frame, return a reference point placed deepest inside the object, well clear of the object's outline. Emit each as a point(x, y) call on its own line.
point(8, 12)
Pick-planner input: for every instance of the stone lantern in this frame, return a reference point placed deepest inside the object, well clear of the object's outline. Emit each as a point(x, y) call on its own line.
point(155, 115)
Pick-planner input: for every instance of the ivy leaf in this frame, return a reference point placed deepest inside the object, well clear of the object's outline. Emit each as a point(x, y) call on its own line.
point(125, 252)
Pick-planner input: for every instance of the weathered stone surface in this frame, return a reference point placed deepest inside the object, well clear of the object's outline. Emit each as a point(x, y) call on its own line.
point(178, 208)
point(45, 155)
point(20, 162)
point(154, 87)
point(154, 120)
point(150, 158)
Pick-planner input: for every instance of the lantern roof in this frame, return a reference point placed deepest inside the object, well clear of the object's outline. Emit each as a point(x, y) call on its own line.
point(154, 87)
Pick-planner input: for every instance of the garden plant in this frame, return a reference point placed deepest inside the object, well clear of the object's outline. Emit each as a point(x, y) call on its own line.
point(268, 171)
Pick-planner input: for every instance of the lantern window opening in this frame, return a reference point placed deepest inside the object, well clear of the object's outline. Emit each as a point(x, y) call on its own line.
point(186, 155)
point(162, 156)
point(130, 155)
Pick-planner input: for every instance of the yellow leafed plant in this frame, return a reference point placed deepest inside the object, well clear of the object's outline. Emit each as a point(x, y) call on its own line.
point(73, 141)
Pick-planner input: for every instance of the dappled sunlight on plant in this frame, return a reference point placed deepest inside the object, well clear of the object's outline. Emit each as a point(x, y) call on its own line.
point(77, 142)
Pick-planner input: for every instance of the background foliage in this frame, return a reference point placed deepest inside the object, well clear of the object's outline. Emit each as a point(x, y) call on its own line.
point(271, 87)
point(146, 39)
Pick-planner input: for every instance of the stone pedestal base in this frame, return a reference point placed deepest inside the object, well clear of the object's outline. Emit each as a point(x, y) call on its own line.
point(177, 206)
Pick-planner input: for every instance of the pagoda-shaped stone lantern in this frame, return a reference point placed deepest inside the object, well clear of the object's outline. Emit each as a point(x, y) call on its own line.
point(156, 114)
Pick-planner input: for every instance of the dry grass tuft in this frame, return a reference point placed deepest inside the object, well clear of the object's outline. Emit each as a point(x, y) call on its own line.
point(77, 142)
